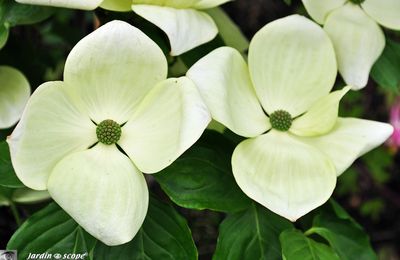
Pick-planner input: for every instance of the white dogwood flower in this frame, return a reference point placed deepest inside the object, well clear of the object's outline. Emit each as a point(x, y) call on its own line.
point(353, 28)
point(14, 93)
point(183, 21)
point(115, 97)
point(281, 101)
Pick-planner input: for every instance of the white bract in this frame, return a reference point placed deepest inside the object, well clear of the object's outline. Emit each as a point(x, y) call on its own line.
point(353, 28)
point(183, 21)
point(114, 95)
point(298, 146)
point(14, 93)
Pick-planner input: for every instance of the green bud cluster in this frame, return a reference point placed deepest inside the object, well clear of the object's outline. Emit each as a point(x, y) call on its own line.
point(281, 120)
point(108, 132)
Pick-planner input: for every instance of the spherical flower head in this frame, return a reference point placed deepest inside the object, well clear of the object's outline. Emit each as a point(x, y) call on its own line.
point(108, 132)
point(80, 134)
point(281, 101)
point(281, 120)
point(354, 25)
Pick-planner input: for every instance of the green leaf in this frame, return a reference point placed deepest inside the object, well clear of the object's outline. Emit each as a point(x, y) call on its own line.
point(251, 234)
point(14, 13)
point(50, 230)
point(202, 177)
point(386, 71)
point(229, 31)
point(288, 2)
point(7, 174)
point(296, 246)
point(164, 235)
point(27, 196)
point(5, 196)
point(345, 236)
point(4, 31)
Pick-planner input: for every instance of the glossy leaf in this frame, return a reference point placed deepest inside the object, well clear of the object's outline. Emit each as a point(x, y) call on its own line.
point(251, 234)
point(14, 13)
point(4, 31)
point(202, 177)
point(345, 236)
point(386, 71)
point(50, 230)
point(296, 246)
point(7, 174)
point(164, 235)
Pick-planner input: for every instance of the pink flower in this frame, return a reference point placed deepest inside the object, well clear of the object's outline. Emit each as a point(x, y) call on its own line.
point(394, 140)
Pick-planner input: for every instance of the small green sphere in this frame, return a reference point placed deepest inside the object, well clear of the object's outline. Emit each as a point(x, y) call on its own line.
point(281, 120)
point(108, 132)
point(357, 2)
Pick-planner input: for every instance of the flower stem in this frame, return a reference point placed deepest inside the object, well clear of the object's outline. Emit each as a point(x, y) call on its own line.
point(309, 232)
point(14, 211)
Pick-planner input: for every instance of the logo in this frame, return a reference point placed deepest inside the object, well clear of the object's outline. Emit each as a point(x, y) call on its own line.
point(8, 255)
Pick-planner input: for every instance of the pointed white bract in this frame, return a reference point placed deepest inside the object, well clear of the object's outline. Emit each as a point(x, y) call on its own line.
point(14, 94)
point(292, 168)
point(116, 73)
point(183, 21)
point(185, 28)
point(355, 33)
point(237, 107)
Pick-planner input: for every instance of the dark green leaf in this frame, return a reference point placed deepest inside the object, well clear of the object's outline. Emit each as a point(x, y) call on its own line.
point(50, 230)
point(3, 35)
point(164, 235)
point(7, 174)
point(202, 177)
point(386, 71)
point(347, 239)
point(288, 2)
point(296, 246)
point(251, 234)
point(6, 195)
point(14, 13)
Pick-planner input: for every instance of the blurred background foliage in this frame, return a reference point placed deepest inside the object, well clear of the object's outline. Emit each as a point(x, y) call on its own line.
point(369, 190)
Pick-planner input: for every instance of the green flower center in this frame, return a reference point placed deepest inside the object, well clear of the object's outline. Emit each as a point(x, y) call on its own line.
point(108, 132)
point(357, 2)
point(281, 120)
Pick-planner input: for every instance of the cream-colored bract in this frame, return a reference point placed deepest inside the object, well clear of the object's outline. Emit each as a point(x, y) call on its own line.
point(183, 21)
point(236, 107)
point(114, 73)
point(14, 93)
point(185, 28)
point(355, 33)
point(292, 68)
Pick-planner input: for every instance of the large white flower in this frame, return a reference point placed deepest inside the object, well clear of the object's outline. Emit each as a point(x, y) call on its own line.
point(183, 21)
point(14, 93)
point(353, 28)
point(115, 97)
point(297, 145)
